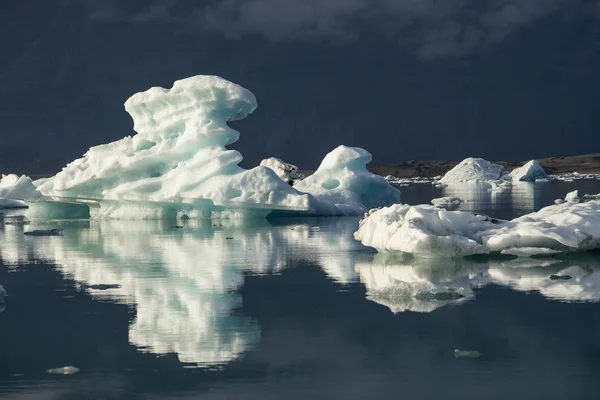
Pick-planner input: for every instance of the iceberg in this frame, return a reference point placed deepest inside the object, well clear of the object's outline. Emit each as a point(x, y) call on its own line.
point(287, 172)
point(529, 172)
point(177, 165)
point(473, 170)
point(431, 232)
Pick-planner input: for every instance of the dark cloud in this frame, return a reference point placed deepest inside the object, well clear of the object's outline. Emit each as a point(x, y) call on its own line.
point(431, 28)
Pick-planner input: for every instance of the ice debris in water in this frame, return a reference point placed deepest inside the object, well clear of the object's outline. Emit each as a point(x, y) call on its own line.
point(466, 353)
point(573, 176)
point(287, 172)
point(575, 198)
point(431, 232)
point(68, 370)
point(531, 172)
point(474, 170)
point(449, 203)
point(178, 164)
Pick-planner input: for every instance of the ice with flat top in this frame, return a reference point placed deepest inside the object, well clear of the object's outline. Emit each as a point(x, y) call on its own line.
point(431, 232)
point(178, 165)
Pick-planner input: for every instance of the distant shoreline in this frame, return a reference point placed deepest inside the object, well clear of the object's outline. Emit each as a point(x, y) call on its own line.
point(584, 164)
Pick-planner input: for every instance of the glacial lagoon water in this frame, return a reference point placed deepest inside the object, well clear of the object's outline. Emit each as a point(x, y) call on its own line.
point(294, 309)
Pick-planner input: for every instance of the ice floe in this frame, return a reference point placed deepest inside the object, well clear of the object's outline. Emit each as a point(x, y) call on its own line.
point(431, 232)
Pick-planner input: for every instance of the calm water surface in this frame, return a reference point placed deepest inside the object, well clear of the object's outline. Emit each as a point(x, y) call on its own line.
point(279, 309)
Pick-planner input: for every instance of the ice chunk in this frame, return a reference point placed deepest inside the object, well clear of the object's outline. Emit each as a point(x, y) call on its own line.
point(287, 172)
point(572, 196)
point(427, 231)
point(14, 190)
point(467, 353)
point(423, 230)
point(68, 370)
point(473, 170)
point(449, 203)
point(530, 172)
point(343, 185)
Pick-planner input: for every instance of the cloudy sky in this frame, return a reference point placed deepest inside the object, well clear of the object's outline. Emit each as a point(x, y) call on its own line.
point(405, 79)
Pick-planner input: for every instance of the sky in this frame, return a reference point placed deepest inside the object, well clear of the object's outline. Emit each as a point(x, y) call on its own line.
point(405, 79)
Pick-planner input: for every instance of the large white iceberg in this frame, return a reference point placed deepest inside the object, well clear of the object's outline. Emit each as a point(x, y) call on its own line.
point(428, 231)
point(178, 164)
point(530, 172)
point(474, 170)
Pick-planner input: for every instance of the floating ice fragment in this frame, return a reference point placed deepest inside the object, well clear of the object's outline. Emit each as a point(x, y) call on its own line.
point(68, 370)
point(572, 196)
point(427, 231)
point(467, 353)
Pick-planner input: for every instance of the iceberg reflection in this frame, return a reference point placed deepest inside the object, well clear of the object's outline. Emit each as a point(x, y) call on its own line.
point(404, 283)
point(184, 280)
point(419, 285)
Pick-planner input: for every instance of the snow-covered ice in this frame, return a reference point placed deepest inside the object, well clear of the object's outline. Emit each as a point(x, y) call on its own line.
point(178, 164)
point(530, 172)
point(431, 232)
point(474, 170)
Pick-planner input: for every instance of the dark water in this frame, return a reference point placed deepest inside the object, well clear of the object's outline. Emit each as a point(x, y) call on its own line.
point(260, 310)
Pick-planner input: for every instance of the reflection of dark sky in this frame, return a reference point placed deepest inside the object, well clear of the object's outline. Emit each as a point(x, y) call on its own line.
point(316, 342)
point(65, 78)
